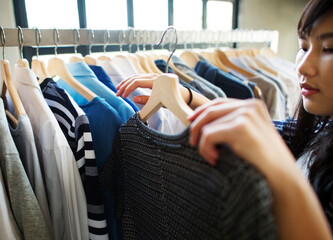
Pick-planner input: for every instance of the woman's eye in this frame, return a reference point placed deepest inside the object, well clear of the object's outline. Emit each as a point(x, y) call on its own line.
point(328, 50)
point(304, 49)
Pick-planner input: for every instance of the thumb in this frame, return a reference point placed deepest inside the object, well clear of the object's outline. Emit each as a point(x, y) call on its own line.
point(141, 99)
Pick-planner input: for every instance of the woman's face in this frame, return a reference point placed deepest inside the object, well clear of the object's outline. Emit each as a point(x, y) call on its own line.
point(314, 65)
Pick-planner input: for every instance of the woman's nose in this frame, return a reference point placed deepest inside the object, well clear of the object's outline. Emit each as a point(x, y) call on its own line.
point(307, 63)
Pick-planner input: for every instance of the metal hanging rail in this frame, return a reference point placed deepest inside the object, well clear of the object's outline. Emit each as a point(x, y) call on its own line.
point(34, 37)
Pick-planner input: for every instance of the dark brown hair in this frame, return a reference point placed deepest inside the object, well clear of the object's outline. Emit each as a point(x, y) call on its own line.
point(311, 13)
point(313, 132)
point(307, 123)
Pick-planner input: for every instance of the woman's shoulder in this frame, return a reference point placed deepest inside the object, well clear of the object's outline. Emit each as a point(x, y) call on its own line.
point(286, 126)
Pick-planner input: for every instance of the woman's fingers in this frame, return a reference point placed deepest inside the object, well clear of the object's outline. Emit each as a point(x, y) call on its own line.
point(134, 82)
point(240, 124)
point(202, 108)
point(213, 111)
point(141, 99)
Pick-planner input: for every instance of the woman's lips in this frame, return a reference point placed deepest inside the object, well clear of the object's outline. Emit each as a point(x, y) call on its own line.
point(307, 91)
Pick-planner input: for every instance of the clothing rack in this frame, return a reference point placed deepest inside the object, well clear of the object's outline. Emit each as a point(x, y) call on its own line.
point(33, 41)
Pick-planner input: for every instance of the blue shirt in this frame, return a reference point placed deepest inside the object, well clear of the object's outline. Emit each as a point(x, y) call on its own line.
point(232, 87)
point(104, 124)
point(106, 80)
point(86, 76)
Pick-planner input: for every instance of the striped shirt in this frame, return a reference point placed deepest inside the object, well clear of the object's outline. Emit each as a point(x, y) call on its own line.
point(286, 129)
point(75, 126)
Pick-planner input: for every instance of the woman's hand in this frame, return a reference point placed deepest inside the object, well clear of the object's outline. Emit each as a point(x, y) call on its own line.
point(244, 125)
point(146, 81)
point(136, 81)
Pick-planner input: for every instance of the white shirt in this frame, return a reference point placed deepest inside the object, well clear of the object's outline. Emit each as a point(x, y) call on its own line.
point(64, 186)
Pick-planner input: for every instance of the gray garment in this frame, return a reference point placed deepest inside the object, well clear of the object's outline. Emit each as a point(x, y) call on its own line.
point(165, 190)
point(208, 87)
point(270, 91)
point(25, 143)
point(8, 226)
point(271, 96)
point(25, 206)
point(204, 90)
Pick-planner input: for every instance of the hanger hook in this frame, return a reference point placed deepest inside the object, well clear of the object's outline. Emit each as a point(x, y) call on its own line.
point(152, 39)
point(139, 38)
point(174, 46)
point(144, 39)
point(38, 38)
point(56, 38)
point(76, 38)
point(121, 38)
point(20, 40)
point(106, 40)
point(3, 41)
point(131, 38)
point(91, 37)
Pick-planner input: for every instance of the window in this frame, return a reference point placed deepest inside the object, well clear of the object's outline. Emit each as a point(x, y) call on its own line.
point(52, 14)
point(188, 14)
point(113, 14)
point(150, 14)
point(215, 15)
point(219, 15)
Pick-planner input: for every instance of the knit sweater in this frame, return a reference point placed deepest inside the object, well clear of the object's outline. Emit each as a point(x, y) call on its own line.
point(165, 190)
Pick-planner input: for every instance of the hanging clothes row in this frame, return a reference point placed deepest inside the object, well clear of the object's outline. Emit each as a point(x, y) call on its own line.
point(59, 121)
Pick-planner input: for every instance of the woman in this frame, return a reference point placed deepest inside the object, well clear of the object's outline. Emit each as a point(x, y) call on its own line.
point(245, 125)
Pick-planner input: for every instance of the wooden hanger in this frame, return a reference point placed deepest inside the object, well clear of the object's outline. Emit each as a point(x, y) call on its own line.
point(225, 60)
point(8, 84)
point(22, 62)
point(267, 52)
point(213, 59)
point(90, 60)
point(104, 58)
point(151, 63)
point(40, 70)
point(57, 66)
point(209, 56)
point(190, 58)
point(135, 61)
point(265, 67)
point(76, 58)
point(248, 60)
point(165, 92)
point(143, 62)
point(231, 52)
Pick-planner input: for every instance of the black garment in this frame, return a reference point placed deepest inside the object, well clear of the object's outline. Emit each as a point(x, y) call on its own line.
point(165, 190)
